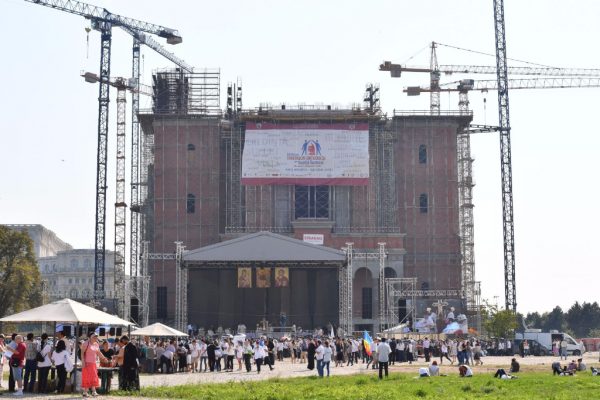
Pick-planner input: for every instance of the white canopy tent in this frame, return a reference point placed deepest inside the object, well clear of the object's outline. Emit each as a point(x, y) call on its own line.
point(158, 329)
point(66, 310)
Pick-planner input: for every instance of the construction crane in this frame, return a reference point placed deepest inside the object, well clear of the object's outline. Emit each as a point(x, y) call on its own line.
point(122, 85)
point(554, 77)
point(103, 21)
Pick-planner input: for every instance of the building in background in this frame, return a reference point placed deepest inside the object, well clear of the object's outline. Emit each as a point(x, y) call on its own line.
point(45, 242)
point(403, 191)
point(70, 274)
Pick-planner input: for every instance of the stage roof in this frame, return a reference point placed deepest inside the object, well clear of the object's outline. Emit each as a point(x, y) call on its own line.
point(264, 246)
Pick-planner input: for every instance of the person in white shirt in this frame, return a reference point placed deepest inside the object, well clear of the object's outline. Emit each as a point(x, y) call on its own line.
point(319, 357)
point(195, 353)
point(434, 370)
point(59, 357)
point(424, 372)
point(426, 349)
point(44, 366)
point(260, 352)
point(239, 354)
point(465, 371)
point(203, 356)
point(327, 352)
point(383, 357)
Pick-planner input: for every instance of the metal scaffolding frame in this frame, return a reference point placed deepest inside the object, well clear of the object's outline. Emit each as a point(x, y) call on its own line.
point(345, 291)
point(381, 256)
point(121, 288)
point(398, 289)
point(465, 208)
point(181, 279)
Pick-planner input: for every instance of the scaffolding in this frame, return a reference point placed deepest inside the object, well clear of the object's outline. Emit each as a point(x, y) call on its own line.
point(180, 92)
point(380, 256)
point(181, 278)
point(400, 289)
point(121, 289)
point(345, 292)
point(465, 209)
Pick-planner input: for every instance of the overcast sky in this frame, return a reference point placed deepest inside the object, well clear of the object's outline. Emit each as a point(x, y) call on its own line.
point(325, 52)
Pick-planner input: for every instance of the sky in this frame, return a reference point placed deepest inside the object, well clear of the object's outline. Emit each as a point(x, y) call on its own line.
point(325, 52)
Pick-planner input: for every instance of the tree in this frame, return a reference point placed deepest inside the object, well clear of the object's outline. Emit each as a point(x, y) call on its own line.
point(20, 280)
point(500, 324)
point(555, 319)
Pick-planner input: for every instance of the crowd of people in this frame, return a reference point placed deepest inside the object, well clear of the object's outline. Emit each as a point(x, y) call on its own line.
point(31, 361)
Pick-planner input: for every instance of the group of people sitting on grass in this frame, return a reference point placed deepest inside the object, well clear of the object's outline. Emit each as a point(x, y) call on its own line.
point(570, 369)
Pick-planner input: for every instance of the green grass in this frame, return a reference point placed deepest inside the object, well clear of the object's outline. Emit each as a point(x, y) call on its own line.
point(396, 386)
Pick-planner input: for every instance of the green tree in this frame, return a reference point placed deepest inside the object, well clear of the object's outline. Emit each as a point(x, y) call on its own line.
point(500, 324)
point(555, 319)
point(20, 280)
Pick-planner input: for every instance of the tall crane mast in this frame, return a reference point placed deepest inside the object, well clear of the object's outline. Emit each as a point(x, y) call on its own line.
point(121, 287)
point(508, 223)
point(103, 21)
point(554, 77)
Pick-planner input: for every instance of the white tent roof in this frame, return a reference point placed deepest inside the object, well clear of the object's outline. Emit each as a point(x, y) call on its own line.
point(157, 329)
point(66, 310)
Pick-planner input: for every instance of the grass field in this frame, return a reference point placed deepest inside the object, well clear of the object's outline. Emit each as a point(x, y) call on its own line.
point(535, 385)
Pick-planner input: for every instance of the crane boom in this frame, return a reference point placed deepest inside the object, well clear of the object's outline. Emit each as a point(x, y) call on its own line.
point(101, 14)
point(397, 69)
point(103, 21)
point(154, 45)
point(467, 85)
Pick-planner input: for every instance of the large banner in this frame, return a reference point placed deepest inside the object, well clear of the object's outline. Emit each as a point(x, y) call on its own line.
point(306, 154)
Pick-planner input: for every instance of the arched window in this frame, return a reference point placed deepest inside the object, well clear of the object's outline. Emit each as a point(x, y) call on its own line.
point(423, 203)
point(74, 263)
point(191, 203)
point(191, 147)
point(422, 154)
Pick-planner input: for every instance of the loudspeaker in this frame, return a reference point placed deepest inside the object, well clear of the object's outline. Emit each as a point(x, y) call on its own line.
point(134, 313)
point(67, 330)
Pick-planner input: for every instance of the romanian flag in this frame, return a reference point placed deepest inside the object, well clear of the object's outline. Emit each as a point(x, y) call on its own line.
point(367, 342)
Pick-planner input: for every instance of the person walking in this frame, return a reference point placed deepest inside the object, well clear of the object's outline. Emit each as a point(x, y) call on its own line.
point(44, 366)
point(310, 352)
point(444, 353)
point(319, 357)
point(383, 357)
point(248, 352)
point(239, 353)
point(327, 352)
point(260, 352)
